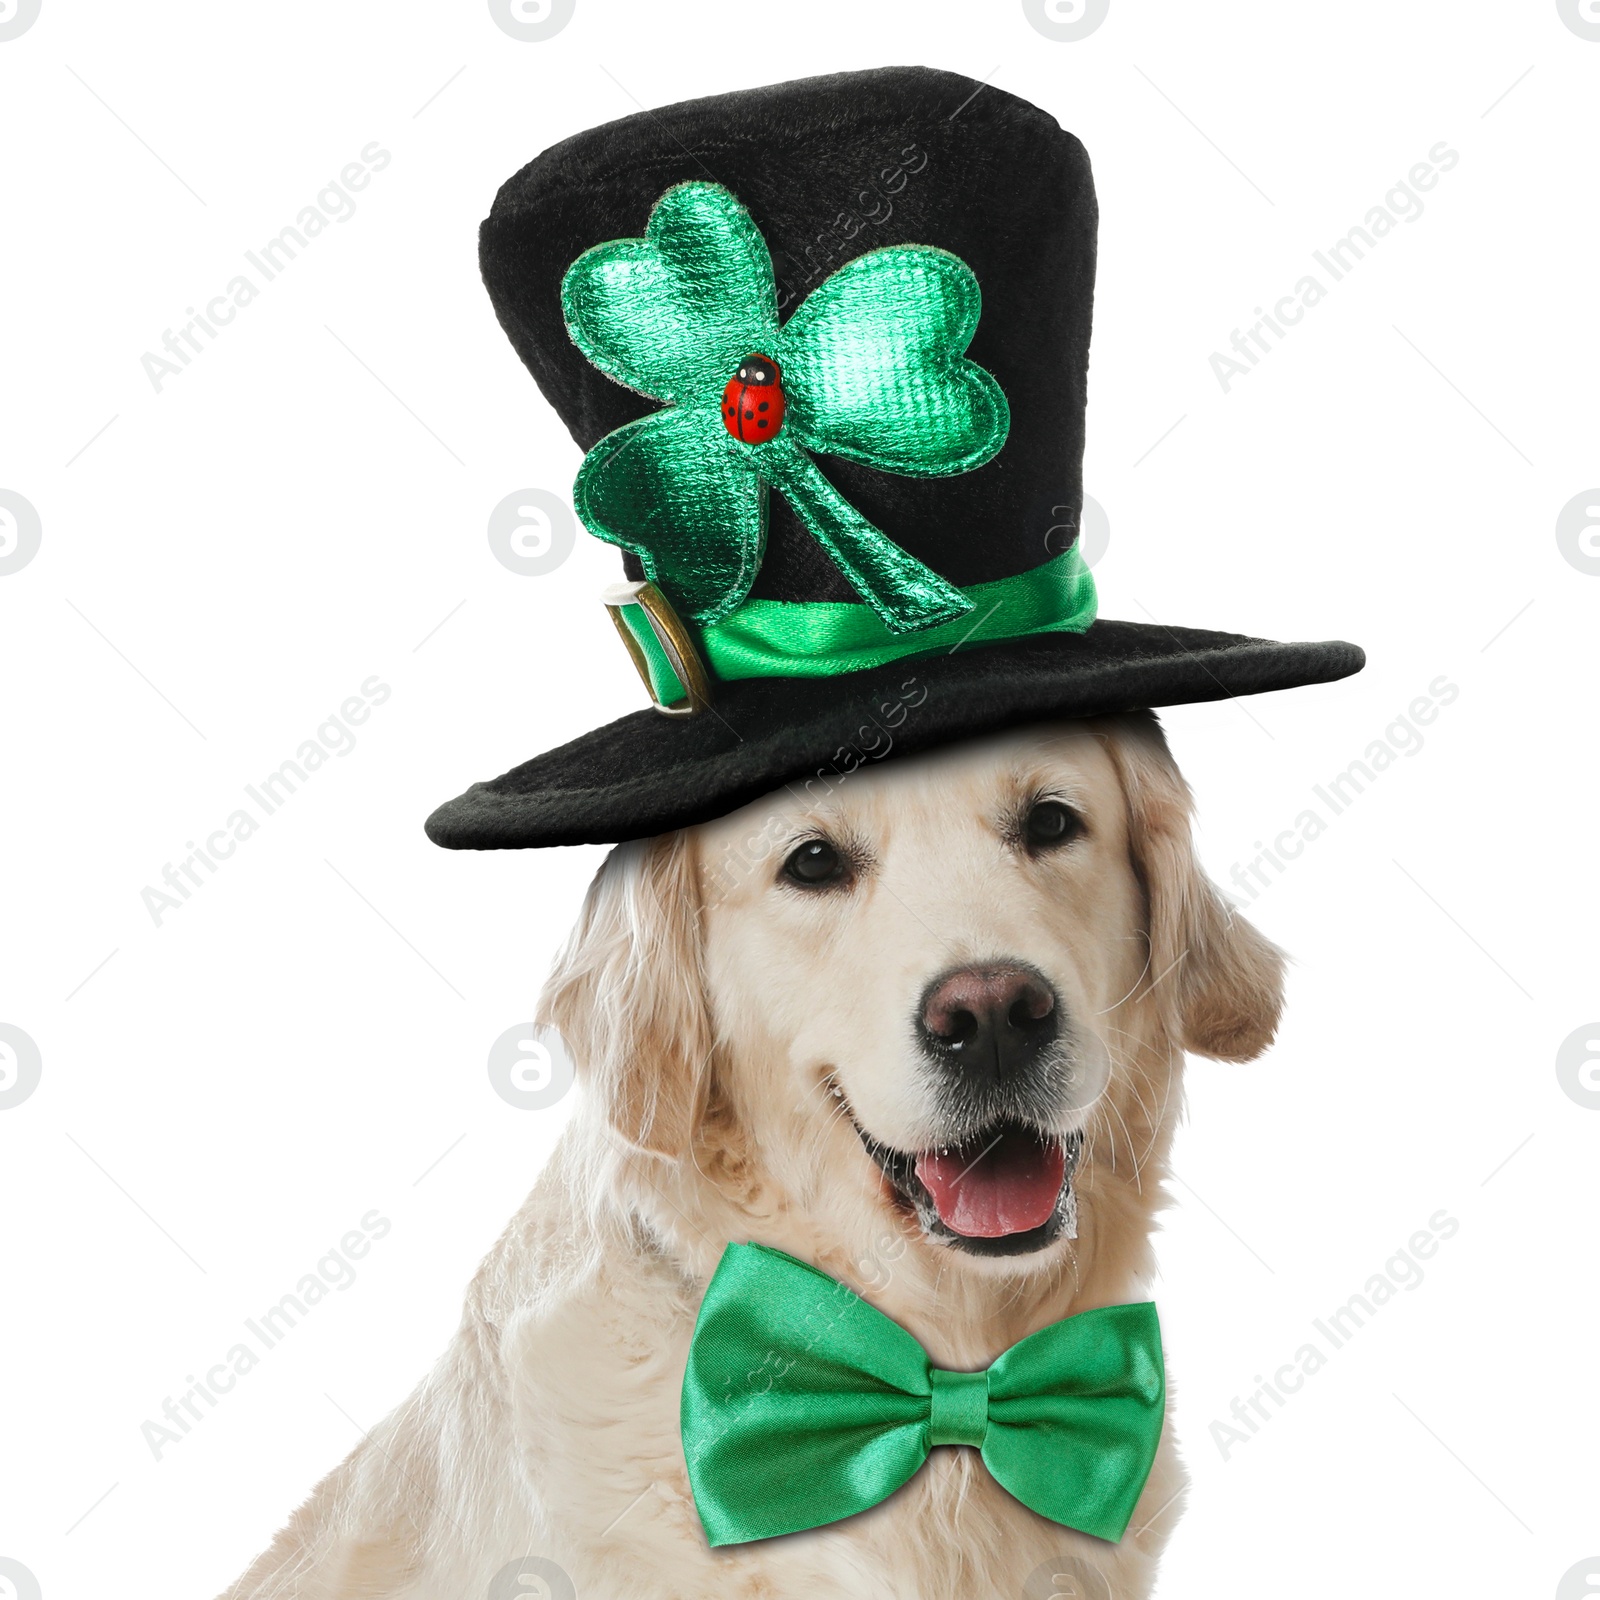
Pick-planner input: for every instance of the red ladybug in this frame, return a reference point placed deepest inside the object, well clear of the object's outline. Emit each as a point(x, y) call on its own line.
point(752, 404)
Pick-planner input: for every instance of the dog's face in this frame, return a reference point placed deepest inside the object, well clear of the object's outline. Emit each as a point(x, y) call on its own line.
point(931, 957)
point(930, 996)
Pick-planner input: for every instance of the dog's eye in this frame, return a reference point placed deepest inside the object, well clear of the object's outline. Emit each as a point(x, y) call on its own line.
point(816, 864)
point(1049, 823)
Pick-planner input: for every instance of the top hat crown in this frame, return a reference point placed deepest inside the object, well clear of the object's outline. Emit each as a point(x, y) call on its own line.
point(826, 345)
point(830, 169)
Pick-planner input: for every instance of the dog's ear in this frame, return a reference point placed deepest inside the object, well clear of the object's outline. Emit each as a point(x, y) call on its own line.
point(1219, 981)
point(628, 997)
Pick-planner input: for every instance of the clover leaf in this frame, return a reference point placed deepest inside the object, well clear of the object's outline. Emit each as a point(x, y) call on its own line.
point(872, 370)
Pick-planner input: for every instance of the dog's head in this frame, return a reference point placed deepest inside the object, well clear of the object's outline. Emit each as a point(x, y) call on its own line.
point(940, 992)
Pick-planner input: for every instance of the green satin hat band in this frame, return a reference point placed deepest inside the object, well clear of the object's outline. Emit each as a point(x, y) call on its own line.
point(821, 639)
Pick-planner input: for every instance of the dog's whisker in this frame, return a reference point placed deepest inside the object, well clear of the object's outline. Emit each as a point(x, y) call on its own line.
point(1136, 982)
point(1137, 1178)
point(1129, 1070)
point(1157, 1120)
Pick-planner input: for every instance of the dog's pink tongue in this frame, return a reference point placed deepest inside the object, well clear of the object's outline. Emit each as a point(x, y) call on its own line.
point(995, 1185)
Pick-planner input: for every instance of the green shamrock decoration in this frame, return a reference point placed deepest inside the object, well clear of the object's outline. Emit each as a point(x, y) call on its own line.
point(872, 370)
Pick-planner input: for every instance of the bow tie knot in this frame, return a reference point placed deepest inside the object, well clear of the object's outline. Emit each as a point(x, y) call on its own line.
point(959, 1413)
point(802, 1405)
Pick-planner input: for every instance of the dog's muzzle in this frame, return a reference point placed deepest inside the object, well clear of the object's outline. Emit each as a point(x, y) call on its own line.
point(994, 1040)
point(991, 1037)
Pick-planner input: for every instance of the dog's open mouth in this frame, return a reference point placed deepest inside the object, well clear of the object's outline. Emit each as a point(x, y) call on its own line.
point(1007, 1191)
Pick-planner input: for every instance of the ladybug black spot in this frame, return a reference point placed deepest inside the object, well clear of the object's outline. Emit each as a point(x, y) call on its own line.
point(763, 423)
point(762, 407)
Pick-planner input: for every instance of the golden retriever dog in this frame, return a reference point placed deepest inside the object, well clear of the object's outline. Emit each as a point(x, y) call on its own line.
point(923, 1028)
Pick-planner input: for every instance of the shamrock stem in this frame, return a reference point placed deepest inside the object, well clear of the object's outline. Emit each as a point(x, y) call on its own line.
point(907, 595)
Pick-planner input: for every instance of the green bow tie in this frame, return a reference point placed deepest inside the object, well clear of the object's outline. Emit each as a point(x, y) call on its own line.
point(802, 1405)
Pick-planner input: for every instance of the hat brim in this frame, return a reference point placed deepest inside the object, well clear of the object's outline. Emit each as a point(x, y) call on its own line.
point(646, 774)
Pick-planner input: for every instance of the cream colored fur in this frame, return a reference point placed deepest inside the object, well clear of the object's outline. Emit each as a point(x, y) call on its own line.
point(711, 1014)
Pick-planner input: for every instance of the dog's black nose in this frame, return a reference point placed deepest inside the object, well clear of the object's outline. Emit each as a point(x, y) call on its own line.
point(999, 1017)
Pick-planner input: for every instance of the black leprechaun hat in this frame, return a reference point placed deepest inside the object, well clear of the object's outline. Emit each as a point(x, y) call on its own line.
point(826, 345)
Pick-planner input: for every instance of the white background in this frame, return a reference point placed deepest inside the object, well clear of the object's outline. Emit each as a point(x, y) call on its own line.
point(225, 561)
